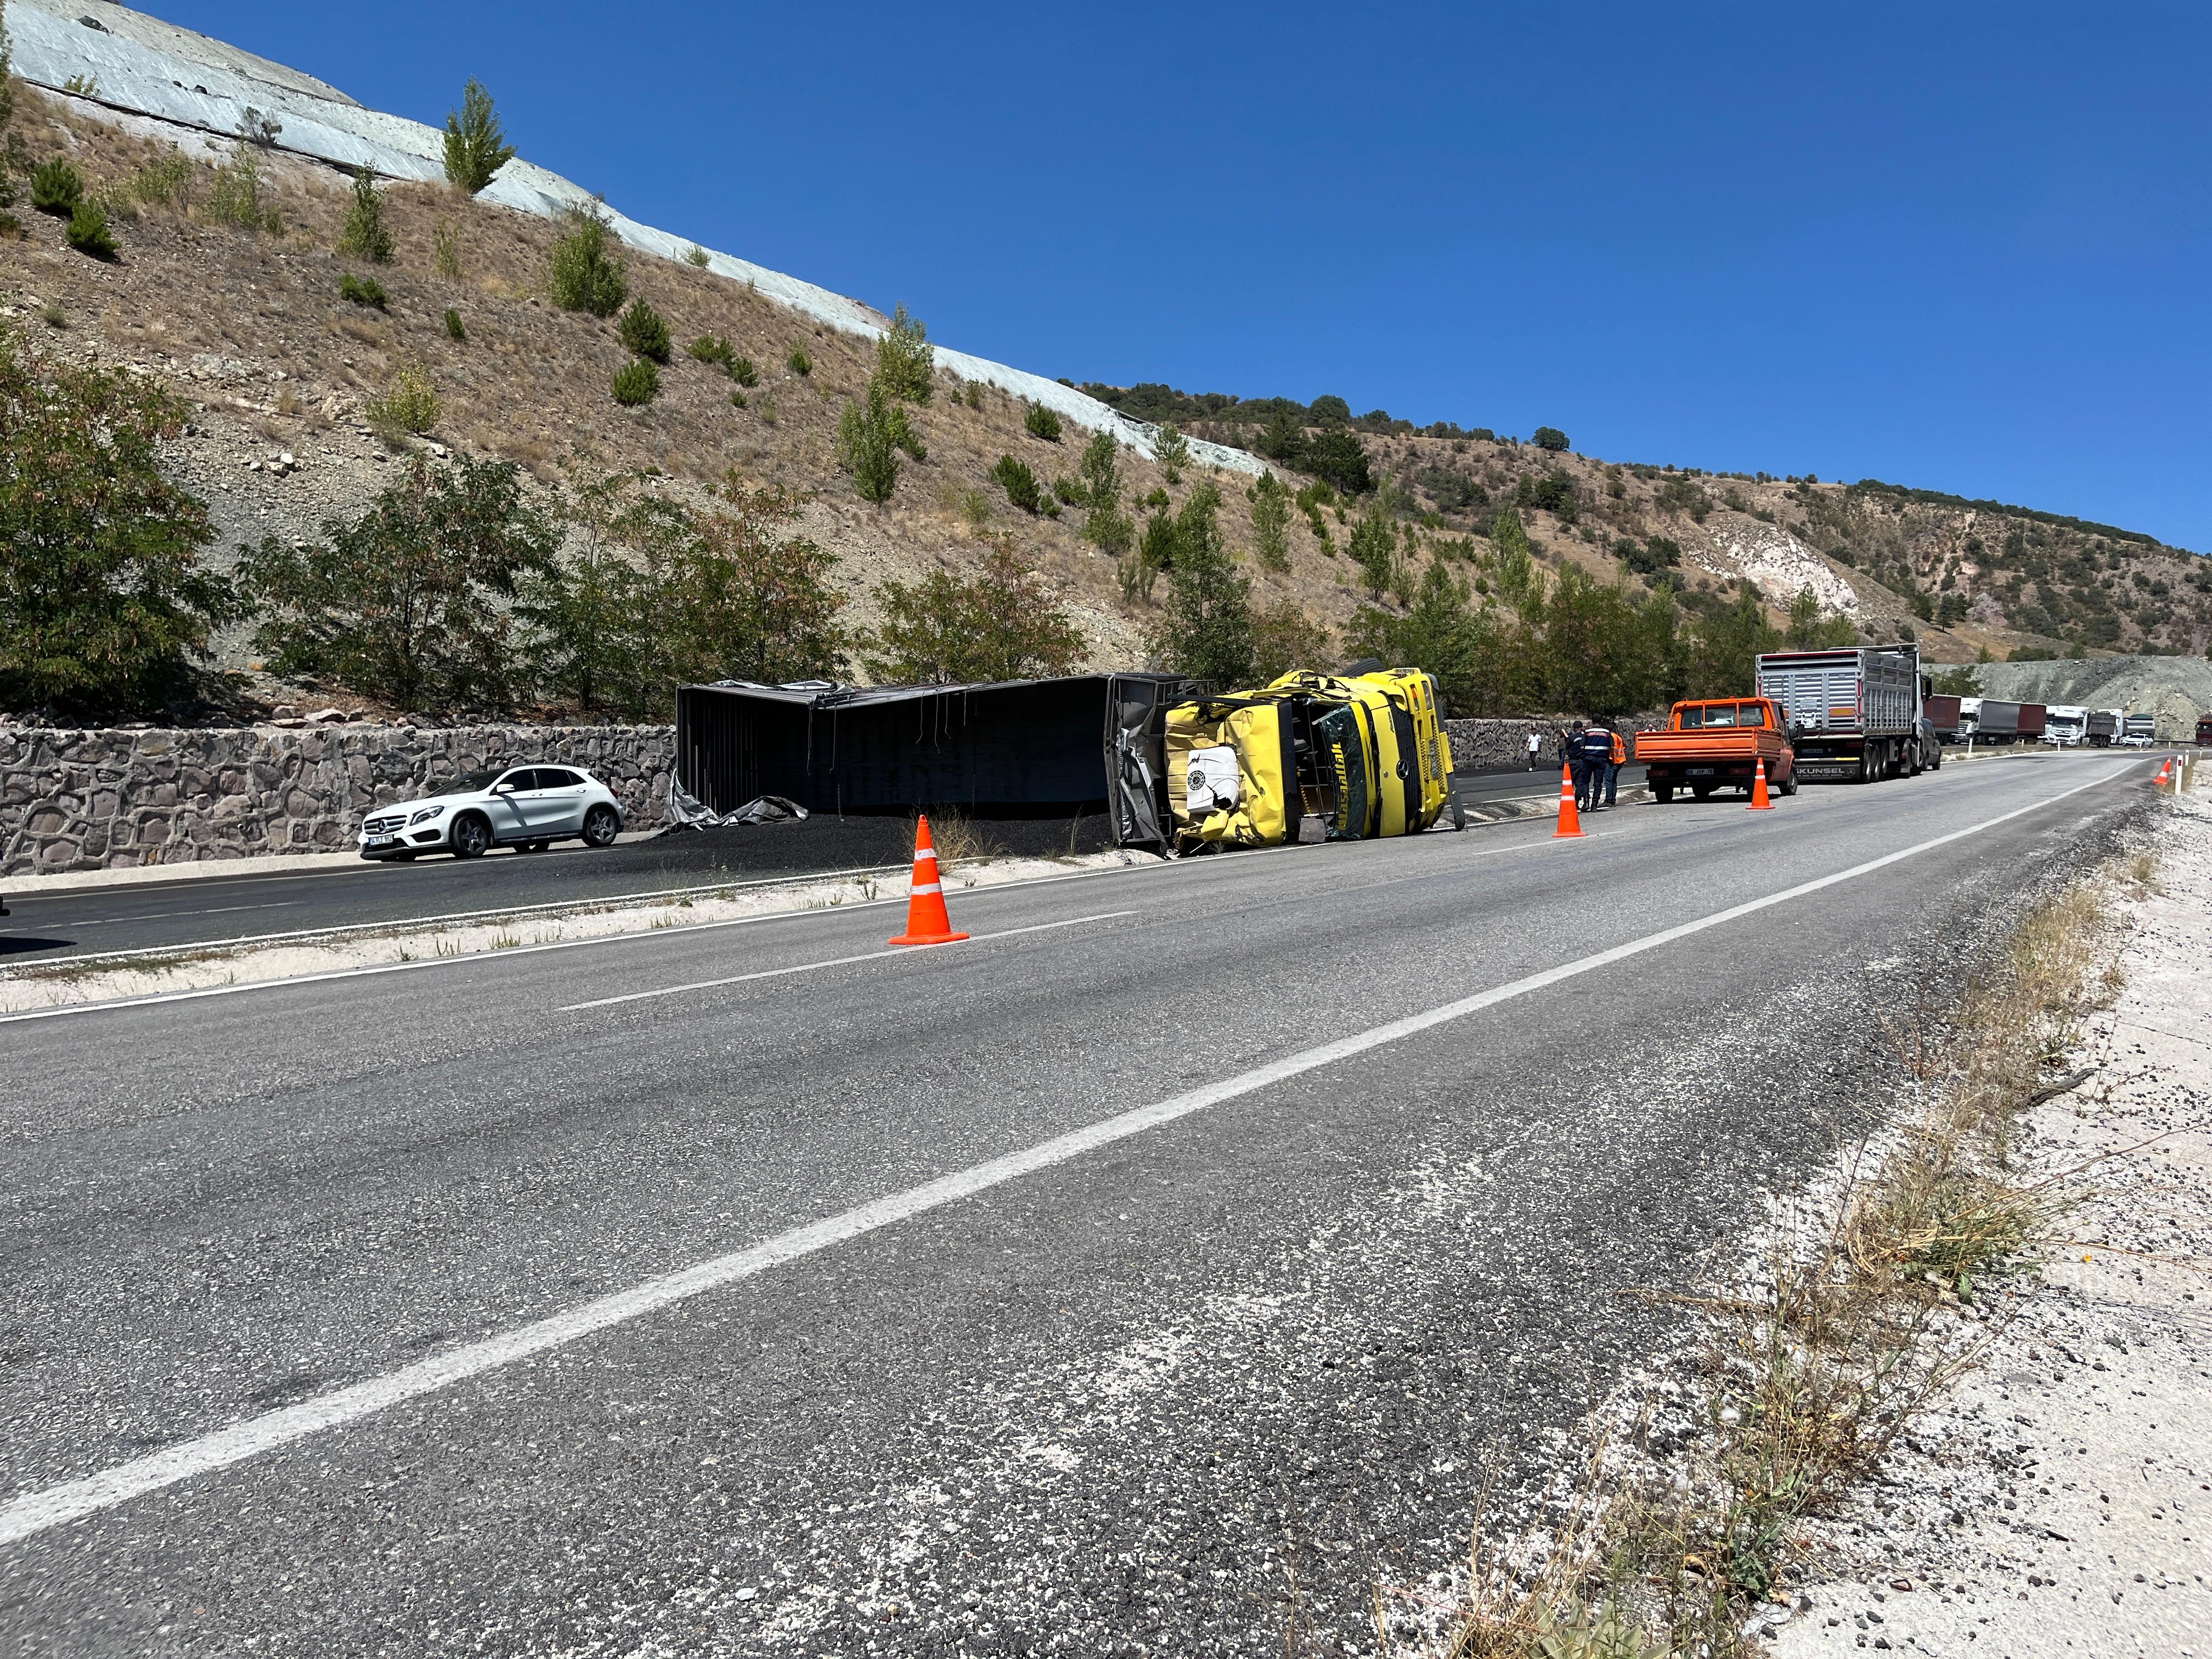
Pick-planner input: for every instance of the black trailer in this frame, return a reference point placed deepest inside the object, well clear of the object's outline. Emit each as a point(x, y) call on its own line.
point(1022, 749)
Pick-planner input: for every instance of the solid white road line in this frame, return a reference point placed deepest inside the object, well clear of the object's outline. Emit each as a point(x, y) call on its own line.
point(36, 1511)
point(837, 962)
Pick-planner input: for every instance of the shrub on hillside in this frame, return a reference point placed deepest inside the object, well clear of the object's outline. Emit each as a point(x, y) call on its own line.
point(713, 349)
point(1020, 483)
point(409, 407)
point(1271, 523)
point(56, 188)
point(1040, 422)
point(454, 329)
point(102, 595)
point(362, 290)
point(445, 251)
point(1549, 437)
point(696, 257)
point(644, 332)
point(870, 436)
point(636, 382)
point(476, 147)
point(1283, 438)
point(234, 193)
point(164, 183)
point(1001, 624)
point(1172, 450)
point(742, 372)
point(905, 361)
point(87, 232)
point(798, 362)
point(366, 236)
point(583, 273)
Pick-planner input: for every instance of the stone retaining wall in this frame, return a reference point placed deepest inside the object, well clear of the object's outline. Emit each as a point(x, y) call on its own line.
point(88, 800)
point(1500, 745)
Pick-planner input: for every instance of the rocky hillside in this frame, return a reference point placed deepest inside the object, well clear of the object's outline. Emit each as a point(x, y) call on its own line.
point(254, 328)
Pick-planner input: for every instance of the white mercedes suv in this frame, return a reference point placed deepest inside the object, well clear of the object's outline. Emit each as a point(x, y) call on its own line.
point(525, 807)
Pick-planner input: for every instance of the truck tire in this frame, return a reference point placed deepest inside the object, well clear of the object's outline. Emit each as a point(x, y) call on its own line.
point(1662, 792)
point(1701, 791)
point(1790, 785)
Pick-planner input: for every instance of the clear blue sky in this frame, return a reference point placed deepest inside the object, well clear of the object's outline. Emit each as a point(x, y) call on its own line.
point(1961, 247)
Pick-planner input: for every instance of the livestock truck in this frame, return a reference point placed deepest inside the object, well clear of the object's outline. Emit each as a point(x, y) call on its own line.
point(2064, 725)
point(1854, 715)
point(2104, 727)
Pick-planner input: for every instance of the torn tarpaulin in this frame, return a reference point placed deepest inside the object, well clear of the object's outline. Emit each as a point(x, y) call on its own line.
point(686, 811)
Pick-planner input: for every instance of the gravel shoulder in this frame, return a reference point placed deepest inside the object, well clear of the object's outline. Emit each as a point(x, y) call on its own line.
point(2059, 1501)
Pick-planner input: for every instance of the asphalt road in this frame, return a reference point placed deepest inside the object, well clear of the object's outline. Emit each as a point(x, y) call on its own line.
point(1167, 1387)
point(205, 908)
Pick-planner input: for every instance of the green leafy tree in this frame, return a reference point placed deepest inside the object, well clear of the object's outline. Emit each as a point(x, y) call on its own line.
point(411, 602)
point(1283, 438)
point(476, 147)
point(1809, 631)
point(1374, 549)
point(1283, 638)
point(1328, 409)
point(1041, 422)
point(102, 597)
point(1172, 450)
point(1519, 580)
point(906, 362)
point(1549, 437)
point(1271, 523)
point(1002, 624)
point(1722, 644)
point(596, 632)
point(584, 273)
point(870, 436)
point(1339, 458)
point(644, 332)
point(366, 236)
point(1108, 527)
point(1962, 681)
point(1206, 631)
point(1439, 632)
point(746, 599)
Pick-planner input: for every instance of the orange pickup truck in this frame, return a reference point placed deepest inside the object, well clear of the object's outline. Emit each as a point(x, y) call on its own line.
point(1717, 745)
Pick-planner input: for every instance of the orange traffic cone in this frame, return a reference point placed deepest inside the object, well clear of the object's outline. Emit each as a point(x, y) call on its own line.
point(2164, 773)
point(1758, 800)
point(927, 921)
point(1571, 819)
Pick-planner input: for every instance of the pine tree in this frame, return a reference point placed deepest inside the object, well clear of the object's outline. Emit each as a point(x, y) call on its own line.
point(476, 149)
point(366, 236)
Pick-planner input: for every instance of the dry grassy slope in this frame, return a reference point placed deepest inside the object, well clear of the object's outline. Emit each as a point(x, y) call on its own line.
point(253, 331)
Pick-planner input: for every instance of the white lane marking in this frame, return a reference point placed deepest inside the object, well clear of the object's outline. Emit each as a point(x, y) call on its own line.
point(834, 961)
point(168, 915)
point(34, 1512)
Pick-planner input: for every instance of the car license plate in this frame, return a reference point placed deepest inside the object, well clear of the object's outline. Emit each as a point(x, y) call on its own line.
point(1701, 771)
point(382, 841)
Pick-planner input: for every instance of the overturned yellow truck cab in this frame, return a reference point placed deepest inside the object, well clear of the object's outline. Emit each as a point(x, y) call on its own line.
point(1365, 753)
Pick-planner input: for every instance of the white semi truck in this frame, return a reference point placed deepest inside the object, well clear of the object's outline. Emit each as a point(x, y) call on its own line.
point(2064, 725)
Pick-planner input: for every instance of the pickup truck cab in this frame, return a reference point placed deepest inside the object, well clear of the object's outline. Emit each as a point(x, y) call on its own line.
point(1717, 744)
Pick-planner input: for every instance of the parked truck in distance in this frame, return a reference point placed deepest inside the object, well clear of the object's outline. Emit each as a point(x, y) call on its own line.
point(1998, 722)
point(1852, 715)
point(1942, 714)
point(2203, 741)
point(2064, 725)
point(1717, 744)
point(2105, 726)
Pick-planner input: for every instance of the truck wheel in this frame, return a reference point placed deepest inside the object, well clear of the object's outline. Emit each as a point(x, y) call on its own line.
point(1662, 792)
point(1790, 785)
point(1701, 791)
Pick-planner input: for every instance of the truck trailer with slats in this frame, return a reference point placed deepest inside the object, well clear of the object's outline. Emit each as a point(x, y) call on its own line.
point(1855, 715)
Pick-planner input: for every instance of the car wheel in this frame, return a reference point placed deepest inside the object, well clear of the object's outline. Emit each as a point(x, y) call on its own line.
point(601, 826)
point(1790, 785)
point(471, 837)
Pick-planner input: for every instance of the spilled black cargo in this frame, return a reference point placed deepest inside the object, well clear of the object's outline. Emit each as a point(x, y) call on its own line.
point(1024, 749)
